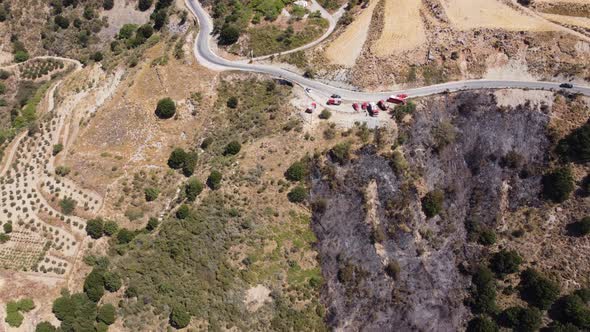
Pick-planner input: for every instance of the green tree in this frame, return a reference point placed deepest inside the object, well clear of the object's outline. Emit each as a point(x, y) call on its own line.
point(57, 148)
point(108, 4)
point(192, 189)
point(67, 205)
point(297, 194)
point(125, 236)
point(206, 143)
point(152, 224)
point(229, 35)
point(232, 148)
point(537, 289)
point(151, 194)
point(481, 324)
point(127, 31)
point(521, 319)
point(183, 211)
point(7, 228)
point(110, 228)
point(94, 285)
point(160, 18)
point(296, 172)
point(179, 318)
point(166, 108)
point(572, 309)
point(505, 262)
point(232, 102)
point(325, 114)
point(580, 228)
point(188, 167)
point(45, 327)
point(576, 146)
point(558, 185)
point(146, 31)
point(107, 314)
point(95, 228)
point(483, 293)
point(21, 56)
point(61, 21)
point(26, 305)
point(177, 158)
point(340, 153)
point(144, 5)
point(76, 312)
point(112, 281)
point(214, 180)
point(432, 203)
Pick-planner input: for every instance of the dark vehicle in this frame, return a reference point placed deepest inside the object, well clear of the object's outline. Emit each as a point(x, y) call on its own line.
point(335, 96)
point(566, 85)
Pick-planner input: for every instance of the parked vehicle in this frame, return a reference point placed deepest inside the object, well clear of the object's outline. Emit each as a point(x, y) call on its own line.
point(335, 96)
point(364, 106)
point(356, 106)
point(383, 105)
point(334, 101)
point(566, 85)
point(398, 99)
point(373, 109)
point(311, 108)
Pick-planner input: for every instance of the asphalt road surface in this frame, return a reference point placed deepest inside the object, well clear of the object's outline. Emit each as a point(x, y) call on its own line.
point(208, 58)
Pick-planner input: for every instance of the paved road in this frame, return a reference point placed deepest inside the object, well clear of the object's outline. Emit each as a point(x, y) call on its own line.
point(207, 58)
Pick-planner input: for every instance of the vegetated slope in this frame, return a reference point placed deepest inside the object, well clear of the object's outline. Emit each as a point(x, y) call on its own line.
point(403, 271)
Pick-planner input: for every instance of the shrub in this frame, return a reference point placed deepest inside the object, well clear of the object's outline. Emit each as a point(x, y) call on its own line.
point(45, 327)
point(232, 148)
point(21, 56)
point(61, 21)
point(481, 324)
point(144, 5)
point(521, 319)
point(74, 311)
point(160, 18)
point(14, 318)
point(112, 282)
point(177, 158)
point(94, 285)
point(296, 172)
point(214, 180)
point(7, 228)
point(392, 269)
point(125, 236)
point(232, 102)
point(487, 237)
point(297, 194)
point(95, 228)
point(537, 289)
point(152, 224)
point(62, 170)
point(151, 194)
point(107, 314)
point(325, 114)
point(483, 295)
point(580, 228)
point(192, 189)
point(206, 143)
point(127, 31)
point(229, 35)
point(432, 203)
point(341, 152)
point(108, 4)
point(57, 148)
point(97, 56)
point(166, 108)
point(110, 228)
point(26, 305)
point(183, 211)
point(4, 74)
point(505, 262)
point(576, 146)
point(179, 318)
point(558, 185)
point(67, 205)
point(571, 309)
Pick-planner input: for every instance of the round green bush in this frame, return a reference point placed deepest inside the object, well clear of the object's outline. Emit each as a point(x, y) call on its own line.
point(297, 194)
point(193, 188)
point(183, 211)
point(166, 108)
point(296, 172)
point(505, 262)
point(179, 318)
point(107, 314)
point(95, 228)
point(214, 180)
point(558, 185)
point(232, 148)
point(232, 102)
point(481, 324)
point(432, 203)
point(45, 327)
point(229, 35)
point(537, 289)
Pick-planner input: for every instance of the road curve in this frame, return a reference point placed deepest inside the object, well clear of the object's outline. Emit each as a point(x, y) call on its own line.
point(207, 58)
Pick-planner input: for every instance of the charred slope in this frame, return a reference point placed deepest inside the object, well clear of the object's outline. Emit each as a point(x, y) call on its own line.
point(387, 267)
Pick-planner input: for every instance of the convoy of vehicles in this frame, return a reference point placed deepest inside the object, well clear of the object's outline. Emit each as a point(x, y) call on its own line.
point(371, 107)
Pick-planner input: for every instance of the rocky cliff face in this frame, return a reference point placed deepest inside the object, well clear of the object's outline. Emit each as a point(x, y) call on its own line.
point(388, 267)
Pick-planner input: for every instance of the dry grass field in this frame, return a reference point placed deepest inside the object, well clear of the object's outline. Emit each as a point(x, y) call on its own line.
point(490, 14)
point(348, 46)
point(403, 29)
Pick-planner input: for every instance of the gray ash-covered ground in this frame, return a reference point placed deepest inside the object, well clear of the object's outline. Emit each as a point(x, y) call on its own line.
point(490, 163)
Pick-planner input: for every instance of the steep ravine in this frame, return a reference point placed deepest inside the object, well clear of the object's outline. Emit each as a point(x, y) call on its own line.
point(428, 292)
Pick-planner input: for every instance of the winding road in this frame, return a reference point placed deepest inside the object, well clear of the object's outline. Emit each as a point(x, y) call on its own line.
point(208, 58)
